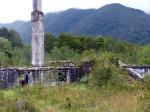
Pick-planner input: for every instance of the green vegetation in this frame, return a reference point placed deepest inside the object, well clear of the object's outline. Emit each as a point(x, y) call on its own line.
point(12, 50)
point(75, 98)
point(12, 36)
point(69, 46)
point(105, 89)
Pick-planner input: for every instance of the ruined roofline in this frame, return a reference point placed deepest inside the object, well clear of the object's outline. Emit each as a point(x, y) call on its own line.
point(33, 68)
point(65, 63)
point(121, 64)
point(136, 66)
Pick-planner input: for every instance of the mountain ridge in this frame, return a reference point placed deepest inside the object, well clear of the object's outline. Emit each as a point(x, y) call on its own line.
point(114, 20)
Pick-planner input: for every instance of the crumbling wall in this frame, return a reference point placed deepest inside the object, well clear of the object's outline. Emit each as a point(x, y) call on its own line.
point(8, 78)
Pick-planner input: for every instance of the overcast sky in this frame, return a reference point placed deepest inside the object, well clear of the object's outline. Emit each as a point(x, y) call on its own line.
point(11, 10)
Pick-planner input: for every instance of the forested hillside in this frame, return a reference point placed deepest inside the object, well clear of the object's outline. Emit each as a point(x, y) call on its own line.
point(113, 20)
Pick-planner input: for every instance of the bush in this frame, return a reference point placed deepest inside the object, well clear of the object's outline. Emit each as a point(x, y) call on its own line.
point(63, 53)
point(102, 75)
point(86, 79)
point(106, 71)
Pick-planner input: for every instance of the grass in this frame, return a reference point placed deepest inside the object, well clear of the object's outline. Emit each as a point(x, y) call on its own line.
point(72, 98)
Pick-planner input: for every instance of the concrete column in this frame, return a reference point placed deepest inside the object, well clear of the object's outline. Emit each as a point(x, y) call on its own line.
point(30, 79)
point(68, 77)
point(17, 78)
point(42, 74)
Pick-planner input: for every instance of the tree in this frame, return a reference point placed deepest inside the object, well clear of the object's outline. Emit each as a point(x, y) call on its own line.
point(63, 53)
point(5, 52)
point(4, 32)
point(5, 45)
point(49, 42)
point(12, 36)
point(15, 38)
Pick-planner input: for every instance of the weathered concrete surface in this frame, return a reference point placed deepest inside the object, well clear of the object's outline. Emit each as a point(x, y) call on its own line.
point(37, 34)
point(136, 71)
point(9, 77)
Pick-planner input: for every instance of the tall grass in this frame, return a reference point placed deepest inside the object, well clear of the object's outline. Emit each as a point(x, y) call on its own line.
point(71, 98)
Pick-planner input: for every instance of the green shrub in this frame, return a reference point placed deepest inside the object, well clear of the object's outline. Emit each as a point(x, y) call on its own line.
point(106, 71)
point(63, 53)
point(102, 75)
point(86, 79)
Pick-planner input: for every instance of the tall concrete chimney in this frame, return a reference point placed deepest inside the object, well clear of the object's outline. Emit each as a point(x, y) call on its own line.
point(37, 18)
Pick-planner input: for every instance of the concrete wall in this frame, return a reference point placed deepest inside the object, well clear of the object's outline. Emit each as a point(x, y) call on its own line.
point(8, 78)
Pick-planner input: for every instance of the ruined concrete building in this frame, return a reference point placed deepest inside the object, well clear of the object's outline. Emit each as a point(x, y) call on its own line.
point(65, 71)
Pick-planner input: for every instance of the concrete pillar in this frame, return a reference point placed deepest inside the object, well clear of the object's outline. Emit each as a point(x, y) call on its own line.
point(17, 78)
point(37, 34)
point(68, 77)
point(30, 79)
point(42, 76)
